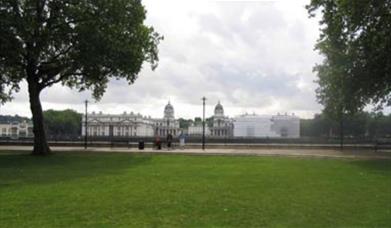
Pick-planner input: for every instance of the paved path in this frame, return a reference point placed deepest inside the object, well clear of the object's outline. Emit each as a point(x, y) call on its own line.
point(321, 153)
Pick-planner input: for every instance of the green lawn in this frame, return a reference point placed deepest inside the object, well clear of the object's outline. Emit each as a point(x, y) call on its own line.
point(102, 190)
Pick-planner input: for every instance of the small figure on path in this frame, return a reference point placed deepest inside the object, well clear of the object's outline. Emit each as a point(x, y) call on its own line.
point(182, 138)
point(169, 140)
point(158, 143)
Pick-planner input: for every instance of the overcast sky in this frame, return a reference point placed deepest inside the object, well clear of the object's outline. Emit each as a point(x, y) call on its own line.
point(253, 56)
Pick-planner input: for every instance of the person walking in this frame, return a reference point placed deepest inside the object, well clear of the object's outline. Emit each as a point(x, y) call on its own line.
point(169, 141)
point(182, 138)
point(158, 143)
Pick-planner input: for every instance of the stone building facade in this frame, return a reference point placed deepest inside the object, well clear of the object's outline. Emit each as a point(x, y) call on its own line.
point(222, 125)
point(131, 124)
point(16, 130)
point(168, 124)
point(196, 130)
point(122, 125)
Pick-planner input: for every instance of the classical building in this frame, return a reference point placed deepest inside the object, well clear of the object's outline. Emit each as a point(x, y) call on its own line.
point(17, 130)
point(123, 125)
point(196, 130)
point(276, 126)
point(168, 124)
point(222, 125)
point(131, 124)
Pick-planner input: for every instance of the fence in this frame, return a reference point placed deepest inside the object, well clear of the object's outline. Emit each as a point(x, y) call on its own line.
point(211, 142)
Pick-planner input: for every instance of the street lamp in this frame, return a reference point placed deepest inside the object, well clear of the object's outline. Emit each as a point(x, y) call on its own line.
point(85, 125)
point(203, 123)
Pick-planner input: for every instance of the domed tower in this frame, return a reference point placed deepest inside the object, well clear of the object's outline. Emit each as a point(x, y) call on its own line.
point(222, 126)
point(169, 111)
point(219, 110)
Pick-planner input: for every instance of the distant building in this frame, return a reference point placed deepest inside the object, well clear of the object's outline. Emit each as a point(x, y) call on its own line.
point(17, 130)
point(287, 126)
point(122, 125)
point(136, 125)
point(196, 130)
point(168, 124)
point(222, 125)
point(275, 126)
point(131, 125)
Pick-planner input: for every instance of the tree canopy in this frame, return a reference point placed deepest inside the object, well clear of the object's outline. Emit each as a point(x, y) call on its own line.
point(62, 124)
point(78, 43)
point(358, 125)
point(355, 40)
point(185, 123)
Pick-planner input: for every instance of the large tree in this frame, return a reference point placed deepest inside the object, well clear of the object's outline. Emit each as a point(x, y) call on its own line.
point(355, 40)
point(78, 43)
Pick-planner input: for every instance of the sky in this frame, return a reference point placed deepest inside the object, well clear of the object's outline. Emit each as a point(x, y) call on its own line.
point(252, 56)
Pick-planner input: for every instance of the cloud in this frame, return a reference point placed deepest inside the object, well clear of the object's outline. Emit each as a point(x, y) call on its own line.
point(252, 56)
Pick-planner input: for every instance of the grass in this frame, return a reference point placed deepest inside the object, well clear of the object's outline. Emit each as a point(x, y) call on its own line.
point(101, 190)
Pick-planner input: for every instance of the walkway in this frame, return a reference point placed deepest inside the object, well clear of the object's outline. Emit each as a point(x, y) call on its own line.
point(320, 153)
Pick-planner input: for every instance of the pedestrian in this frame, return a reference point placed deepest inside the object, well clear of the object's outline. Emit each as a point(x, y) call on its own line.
point(169, 140)
point(182, 138)
point(158, 143)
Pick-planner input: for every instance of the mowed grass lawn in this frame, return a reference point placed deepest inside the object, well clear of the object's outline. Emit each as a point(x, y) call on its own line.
point(102, 190)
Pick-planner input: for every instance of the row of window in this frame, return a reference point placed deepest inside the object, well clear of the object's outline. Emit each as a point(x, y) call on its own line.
point(115, 128)
point(219, 132)
point(118, 133)
point(164, 132)
point(15, 131)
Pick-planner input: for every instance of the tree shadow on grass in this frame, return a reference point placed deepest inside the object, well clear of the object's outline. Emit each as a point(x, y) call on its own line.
point(20, 169)
point(378, 166)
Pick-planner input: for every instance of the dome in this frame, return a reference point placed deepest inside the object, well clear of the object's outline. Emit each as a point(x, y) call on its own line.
point(169, 111)
point(219, 110)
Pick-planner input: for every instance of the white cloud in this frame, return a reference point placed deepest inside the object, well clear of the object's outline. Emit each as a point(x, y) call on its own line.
point(253, 56)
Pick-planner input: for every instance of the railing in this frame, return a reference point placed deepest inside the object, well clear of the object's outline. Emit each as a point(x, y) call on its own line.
point(228, 142)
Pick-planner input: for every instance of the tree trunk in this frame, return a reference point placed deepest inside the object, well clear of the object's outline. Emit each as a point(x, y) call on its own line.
point(40, 143)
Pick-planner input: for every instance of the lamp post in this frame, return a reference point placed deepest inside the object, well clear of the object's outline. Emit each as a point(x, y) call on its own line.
point(203, 123)
point(85, 125)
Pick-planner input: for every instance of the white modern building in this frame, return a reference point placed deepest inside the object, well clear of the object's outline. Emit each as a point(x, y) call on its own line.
point(276, 126)
point(287, 126)
point(17, 130)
